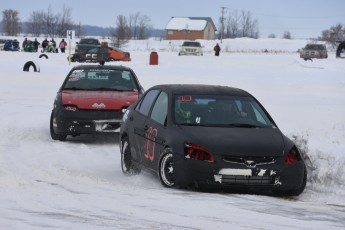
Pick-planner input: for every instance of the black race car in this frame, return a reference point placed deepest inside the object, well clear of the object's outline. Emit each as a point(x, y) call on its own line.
point(209, 136)
point(93, 99)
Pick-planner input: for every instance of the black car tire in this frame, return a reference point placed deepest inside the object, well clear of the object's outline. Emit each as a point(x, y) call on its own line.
point(293, 192)
point(166, 168)
point(126, 159)
point(60, 137)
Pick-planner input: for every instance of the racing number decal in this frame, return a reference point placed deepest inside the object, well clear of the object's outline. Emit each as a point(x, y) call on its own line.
point(184, 98)
point(150, 135)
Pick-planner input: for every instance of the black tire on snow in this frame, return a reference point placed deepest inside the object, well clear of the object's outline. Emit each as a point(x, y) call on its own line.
point(293, 192)
point(54, 136)
point(126, 158)
point(28, 64)
point(166, 168)
point(44, 55)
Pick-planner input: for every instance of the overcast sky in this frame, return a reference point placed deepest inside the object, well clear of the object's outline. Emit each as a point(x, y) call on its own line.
point(302, 18)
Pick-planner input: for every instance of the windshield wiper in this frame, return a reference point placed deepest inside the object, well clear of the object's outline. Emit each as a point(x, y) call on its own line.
point(108, 89)
point(244, 125)
point(74, 88)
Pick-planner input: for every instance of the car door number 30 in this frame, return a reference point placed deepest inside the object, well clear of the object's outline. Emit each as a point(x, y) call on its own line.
point(151, 135)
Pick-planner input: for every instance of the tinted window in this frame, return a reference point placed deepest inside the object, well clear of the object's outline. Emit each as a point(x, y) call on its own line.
point(160, 109)
point(101, 79)
point(147, 101)
point(215, 110)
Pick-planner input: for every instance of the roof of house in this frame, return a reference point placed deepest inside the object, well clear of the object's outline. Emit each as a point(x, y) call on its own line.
point(189, 23)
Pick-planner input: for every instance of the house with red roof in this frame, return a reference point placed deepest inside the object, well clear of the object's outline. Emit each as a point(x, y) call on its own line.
point(190, 28)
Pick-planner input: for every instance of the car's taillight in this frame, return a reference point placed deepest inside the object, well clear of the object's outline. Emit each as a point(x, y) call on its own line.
point(292, 157)
point(197, 152)
point(70, 108)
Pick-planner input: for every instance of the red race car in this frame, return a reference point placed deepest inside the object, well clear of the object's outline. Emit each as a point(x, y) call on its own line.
point(93, 99)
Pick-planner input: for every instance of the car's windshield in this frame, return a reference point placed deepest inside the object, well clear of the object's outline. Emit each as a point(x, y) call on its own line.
point(100, 79)
point(223, 111)
point(194, 44)
point(314, 47)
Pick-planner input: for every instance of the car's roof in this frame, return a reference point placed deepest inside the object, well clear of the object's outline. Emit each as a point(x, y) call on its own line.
point(114, 67)
point(201, 89)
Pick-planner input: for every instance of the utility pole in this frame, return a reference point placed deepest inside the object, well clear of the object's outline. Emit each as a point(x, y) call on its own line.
point(222, 23)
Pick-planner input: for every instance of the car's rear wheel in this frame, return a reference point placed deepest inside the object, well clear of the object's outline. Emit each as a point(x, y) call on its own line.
point(126, 159)
point(166, 168)
point(293, 192)
point(55, 136)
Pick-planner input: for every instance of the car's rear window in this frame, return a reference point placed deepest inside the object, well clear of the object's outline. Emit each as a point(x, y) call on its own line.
point(100, 79)
point(89, 42)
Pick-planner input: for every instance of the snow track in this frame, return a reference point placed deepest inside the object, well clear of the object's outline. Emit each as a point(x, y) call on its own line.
point(78, 184)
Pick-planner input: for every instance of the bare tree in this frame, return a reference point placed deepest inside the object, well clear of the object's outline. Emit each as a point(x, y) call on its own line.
point(120, 34)
point(249, 26)
point(36, 23)
point(287, 35)
point(334, 34)
point(271, 36)
point(10, 21)
point(65, 22)
point(233, 23)
point(242, 25)
point(133, 25)
point(143, 26)
point(50, 23)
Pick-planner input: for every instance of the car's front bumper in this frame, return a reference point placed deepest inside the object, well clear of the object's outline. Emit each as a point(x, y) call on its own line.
point(86, 122)
point(229, 175)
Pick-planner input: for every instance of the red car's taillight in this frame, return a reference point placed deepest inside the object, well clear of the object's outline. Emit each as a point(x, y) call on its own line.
point(198, 153)
point(292, 157)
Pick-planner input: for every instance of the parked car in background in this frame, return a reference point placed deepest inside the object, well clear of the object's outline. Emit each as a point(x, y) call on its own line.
point(93, 99)
point(85, 44)
point(191, 48)
point(314, 51)
point(101, 53)
point(209, 136)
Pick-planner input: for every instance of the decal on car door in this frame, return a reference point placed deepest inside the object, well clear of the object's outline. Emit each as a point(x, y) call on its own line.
point(150, 135)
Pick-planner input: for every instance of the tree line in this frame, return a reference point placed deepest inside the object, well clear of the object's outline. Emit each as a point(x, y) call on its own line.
point(48, 24)
point(137, 26)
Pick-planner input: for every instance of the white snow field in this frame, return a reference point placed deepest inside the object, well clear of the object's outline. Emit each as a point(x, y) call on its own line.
point(78, 184)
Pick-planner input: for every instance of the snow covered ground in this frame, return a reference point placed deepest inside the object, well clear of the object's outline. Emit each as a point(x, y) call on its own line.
point(78, 184)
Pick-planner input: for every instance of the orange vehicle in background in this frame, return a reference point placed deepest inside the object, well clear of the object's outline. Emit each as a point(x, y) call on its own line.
point(101, 53)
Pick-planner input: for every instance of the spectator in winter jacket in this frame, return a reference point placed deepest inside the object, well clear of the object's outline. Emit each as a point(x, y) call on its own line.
point(62, 45)
point(45, 44)
point(25, 43)
point(216, 50)
point(36, 44)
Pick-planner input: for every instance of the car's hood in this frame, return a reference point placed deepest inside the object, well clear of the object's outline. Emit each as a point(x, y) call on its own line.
point(98, 100)
point(237, 141)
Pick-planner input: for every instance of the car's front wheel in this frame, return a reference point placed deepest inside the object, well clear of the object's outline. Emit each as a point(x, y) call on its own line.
point(126, 159)
point(55, 136)
point(166, 168)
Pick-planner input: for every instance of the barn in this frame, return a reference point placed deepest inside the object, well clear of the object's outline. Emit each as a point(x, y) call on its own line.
point(190, 28)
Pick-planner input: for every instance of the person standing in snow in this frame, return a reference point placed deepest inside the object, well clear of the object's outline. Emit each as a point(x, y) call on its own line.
point(62, 45)
point(216, 49)
point(36, 44)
